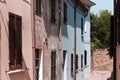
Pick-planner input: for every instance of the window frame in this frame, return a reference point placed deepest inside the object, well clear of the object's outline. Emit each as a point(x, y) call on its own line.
point(15, 41)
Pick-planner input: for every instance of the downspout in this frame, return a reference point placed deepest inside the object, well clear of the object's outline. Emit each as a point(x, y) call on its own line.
point(59, 31)
point(59, 37)
point(74, 60)
point(33, 35)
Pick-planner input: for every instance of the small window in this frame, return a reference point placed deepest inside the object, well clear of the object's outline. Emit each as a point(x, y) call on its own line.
point(85, 57)
point(82, 30)
point(76, 66)
point(64, 58)
point(76, 62)
point(82, 26)
point(38, 7)
point(71, 63)
point(65, 13)
point(15, 41)
point(53, 19)
point(81, 61)
point(37, 62)
point(53, 65)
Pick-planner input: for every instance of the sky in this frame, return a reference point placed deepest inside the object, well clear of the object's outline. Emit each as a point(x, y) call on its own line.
point(102, 5)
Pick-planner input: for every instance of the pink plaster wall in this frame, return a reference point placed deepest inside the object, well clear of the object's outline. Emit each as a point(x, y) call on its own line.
point(22, 8)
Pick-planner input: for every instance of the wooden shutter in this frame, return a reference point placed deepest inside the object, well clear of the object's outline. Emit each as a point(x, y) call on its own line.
point(81, 61)
point(53, 65)
point(76, 62)
point(64, 57)
point(53, 8)
point(38, 7)
point(11, 39)
point(82, 26)
point(15, 41)
point(71, 63)
point(19, 40)
point(85, 57)
point(65, 13)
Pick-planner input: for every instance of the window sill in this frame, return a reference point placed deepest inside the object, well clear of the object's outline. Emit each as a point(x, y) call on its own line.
point(16, 71)
point(38, 18)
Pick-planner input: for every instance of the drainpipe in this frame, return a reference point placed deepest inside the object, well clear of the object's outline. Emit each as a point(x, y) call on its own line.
point(74, 60)
point(33, 35)
point(59, 37)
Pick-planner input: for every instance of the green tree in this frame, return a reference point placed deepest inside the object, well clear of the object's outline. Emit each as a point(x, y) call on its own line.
point(100, 26)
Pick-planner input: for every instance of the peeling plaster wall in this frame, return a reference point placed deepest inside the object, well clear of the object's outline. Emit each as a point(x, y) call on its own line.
point(44, 29)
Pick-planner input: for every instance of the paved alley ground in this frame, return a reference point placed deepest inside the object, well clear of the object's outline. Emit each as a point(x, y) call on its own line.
point(101, 66)
point(99, 75)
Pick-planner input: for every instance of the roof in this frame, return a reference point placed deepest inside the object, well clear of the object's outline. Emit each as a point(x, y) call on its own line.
point(88, 3)
point(80, 6)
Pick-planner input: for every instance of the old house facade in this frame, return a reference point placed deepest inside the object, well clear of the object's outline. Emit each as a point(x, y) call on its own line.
point(47, 39)
point(34, 46)
point(78, 19)
point(16, 58)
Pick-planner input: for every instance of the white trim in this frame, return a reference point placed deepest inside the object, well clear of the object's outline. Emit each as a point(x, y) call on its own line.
point(16, 71)
point(41, 66)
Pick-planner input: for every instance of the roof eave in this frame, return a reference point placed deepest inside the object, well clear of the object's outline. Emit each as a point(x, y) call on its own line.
point(88, 3)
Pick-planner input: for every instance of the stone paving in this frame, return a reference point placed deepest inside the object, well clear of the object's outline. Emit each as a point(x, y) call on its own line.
point(99, 75)
point(101, 66)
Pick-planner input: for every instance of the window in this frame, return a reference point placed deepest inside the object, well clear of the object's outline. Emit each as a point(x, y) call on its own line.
point(85, 57)
point(65, 13)
point(82, 29)
point(76, 62)
point(71, 63)
point(38, 7)
point(82, 26)
point(53, 11)
point(53, 65)
point(37, 62)
point(76, 66)
point(64, 57)
point(81, 61)
point(15, 41)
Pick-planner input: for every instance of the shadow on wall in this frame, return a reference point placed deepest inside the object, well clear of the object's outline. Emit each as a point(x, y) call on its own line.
point(51, 28)
point(111, 77)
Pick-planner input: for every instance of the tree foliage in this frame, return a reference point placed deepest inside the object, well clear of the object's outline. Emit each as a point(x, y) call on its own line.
point(100, 29)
